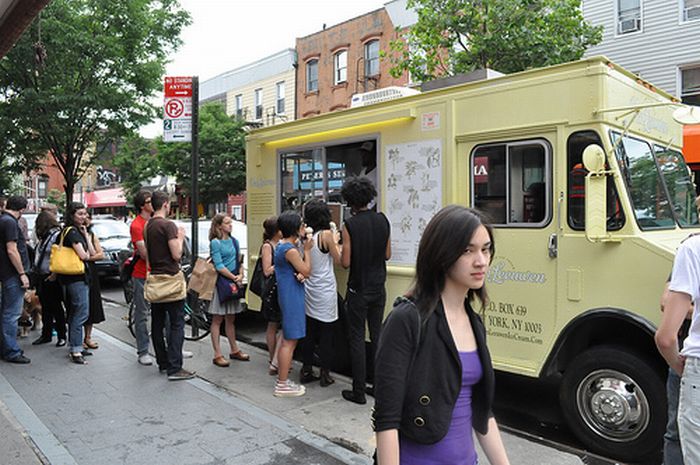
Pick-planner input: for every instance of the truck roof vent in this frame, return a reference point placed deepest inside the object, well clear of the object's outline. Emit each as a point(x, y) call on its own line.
point(381, 95)
point(476, 75)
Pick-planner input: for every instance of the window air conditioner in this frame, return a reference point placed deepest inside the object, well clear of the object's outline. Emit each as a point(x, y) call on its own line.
point(630, 25)
point(381, 95)
point(692, 13)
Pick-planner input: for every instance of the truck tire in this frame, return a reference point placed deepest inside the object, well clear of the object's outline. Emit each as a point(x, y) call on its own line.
point(614, 402)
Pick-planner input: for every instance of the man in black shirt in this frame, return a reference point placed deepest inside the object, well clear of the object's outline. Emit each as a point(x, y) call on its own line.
point(366, 248)
point(14, 263)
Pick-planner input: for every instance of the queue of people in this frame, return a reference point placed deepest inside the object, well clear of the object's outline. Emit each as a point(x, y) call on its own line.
point(437, 323)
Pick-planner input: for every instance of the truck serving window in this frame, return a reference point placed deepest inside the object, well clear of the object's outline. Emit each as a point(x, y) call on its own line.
point(648, 194)
point(319, 172)
point(511, 182)
point(576, 178)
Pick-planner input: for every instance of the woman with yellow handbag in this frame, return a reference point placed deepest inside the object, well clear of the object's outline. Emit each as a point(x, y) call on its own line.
point(74, 247)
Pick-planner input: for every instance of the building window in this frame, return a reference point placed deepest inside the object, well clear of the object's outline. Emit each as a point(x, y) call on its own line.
point(237, 212)
point(372, 58)
point(42, 187)
point(690, 10)
point(690, 85)
point(279, 107)
point(629, 16)
point(258, 104)
point(340, 67)
point(312, 76)
point(511, 182)
point(239, 106)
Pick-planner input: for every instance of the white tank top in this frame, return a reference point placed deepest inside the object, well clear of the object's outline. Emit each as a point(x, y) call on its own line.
point(320, 295)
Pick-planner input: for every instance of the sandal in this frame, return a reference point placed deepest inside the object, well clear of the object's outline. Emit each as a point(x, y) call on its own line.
point(220, 361)
point(78, 358)
point(90, 344)
point(239, 355)
point(272, 370)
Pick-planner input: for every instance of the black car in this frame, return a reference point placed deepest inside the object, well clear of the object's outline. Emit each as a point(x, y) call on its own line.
point(115, 240)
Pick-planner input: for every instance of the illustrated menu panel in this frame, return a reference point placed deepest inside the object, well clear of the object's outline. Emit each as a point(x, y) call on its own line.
point(413, 190)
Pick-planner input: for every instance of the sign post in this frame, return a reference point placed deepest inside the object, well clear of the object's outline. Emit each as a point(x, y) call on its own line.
point(181, 124)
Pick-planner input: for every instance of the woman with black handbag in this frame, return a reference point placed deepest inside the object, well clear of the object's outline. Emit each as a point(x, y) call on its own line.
point(225, 254)
point(270, 307)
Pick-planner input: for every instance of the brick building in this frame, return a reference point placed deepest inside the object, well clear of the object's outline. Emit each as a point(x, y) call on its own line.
point(342, 60)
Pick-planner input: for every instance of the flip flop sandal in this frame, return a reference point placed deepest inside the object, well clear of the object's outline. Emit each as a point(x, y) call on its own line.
point(90, 344)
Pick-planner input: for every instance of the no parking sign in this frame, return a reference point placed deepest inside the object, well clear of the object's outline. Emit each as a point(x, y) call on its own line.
point(177, 109)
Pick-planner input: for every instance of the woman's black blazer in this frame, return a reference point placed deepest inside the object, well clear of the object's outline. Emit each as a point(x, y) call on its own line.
point(416, 386)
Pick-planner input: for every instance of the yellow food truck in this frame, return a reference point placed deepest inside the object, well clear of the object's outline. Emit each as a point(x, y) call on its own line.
point(578, 166)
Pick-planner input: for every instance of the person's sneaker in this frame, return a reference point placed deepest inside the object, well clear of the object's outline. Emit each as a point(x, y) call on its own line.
point(288, 389)
point(187, 354)
point(19, 359)
point(145, 359)
point(352, 396)
point(181, 375)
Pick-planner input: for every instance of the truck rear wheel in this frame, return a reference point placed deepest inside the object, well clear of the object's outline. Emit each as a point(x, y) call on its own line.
point(615, 403)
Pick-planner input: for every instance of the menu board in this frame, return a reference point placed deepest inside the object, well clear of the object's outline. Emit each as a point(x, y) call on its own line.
point(413, 194)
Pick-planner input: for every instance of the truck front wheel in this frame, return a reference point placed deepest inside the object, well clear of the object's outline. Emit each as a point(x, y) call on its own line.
point(615, 403)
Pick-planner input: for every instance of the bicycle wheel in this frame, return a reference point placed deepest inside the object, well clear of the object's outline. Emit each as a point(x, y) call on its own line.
point(197, 320)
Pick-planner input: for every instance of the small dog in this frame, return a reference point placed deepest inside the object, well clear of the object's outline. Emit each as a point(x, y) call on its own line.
point(31, 313)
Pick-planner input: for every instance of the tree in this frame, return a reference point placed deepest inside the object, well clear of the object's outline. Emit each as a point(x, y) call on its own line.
point(221, 156)
point(137, 161)
point(458, 36)
point(85, 70)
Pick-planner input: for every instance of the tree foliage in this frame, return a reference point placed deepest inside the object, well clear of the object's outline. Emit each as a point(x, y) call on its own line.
point(221, 156)
point(458, 36)
point(137, 162)
point(84, 70)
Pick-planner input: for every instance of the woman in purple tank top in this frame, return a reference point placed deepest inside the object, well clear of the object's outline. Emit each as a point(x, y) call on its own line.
point(434, 382)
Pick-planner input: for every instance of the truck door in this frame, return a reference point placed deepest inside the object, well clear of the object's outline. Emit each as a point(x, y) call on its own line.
point(512, 183)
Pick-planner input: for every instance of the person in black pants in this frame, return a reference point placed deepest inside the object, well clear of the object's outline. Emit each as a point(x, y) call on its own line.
point(48, 289)
point(366, 248)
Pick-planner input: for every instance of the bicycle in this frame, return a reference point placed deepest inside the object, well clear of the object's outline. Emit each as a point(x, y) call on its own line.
point(197, 319)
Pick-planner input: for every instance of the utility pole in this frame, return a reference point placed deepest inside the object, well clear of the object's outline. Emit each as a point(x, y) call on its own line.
point(195, 167)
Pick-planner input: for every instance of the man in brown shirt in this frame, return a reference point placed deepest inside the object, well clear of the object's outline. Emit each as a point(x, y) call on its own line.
point(164, 250)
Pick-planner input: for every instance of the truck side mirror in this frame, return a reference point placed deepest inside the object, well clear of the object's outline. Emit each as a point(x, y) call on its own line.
point(596, 191)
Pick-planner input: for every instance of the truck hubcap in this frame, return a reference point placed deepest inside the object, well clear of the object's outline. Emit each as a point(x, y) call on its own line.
point(612, 405)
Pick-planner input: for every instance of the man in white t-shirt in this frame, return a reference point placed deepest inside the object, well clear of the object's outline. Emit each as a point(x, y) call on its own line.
point(684, 291)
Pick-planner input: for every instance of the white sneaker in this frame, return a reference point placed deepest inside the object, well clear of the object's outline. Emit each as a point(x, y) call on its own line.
point(288, 389)
point(187, 354)
point(145, 359)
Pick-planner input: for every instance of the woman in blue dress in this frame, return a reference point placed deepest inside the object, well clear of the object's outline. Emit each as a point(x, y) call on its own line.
point(291, 269)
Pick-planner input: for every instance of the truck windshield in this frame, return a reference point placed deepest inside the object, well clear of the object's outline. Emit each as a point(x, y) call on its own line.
point(658, 182)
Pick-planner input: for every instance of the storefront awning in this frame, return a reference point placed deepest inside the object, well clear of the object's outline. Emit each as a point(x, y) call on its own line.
point(691, 143)
point(105, 198)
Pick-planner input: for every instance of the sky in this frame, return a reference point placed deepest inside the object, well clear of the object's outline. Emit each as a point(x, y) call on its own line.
point(227, 34)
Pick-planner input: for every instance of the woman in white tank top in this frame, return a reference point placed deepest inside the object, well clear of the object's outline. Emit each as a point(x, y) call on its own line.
point(321, 295)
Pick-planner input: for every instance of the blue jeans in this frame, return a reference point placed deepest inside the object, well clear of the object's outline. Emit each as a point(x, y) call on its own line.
point(672, 443)
point(77, 298)
point(141, 310)
point(689, 411)
point(12, 296)
point(168, 357)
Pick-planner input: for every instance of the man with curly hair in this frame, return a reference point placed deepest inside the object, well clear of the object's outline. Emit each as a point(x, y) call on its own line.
point(366, 248)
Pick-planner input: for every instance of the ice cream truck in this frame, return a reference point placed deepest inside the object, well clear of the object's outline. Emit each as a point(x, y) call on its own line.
point(579, 168)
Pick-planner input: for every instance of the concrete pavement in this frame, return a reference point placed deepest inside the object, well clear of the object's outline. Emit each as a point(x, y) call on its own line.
point(116, 411)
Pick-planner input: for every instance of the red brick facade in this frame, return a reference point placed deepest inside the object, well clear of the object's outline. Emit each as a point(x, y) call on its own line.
point(351, 35)
point(16, 20)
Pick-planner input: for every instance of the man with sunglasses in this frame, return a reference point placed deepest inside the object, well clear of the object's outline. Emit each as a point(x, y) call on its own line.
point(142, 202)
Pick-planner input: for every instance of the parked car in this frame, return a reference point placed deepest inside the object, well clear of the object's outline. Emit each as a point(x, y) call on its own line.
point(240, 232)
point(115, 240)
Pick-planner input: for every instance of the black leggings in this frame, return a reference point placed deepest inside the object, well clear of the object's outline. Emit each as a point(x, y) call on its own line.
point(53, 315)
point(318, 331)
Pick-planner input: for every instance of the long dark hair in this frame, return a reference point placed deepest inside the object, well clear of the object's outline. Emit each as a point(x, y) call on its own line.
point(70, 213)
point(270, 228)
point(444, 240)
point(45, 222)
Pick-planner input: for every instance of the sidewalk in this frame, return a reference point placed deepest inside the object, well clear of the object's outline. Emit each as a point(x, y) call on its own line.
point(116, 411)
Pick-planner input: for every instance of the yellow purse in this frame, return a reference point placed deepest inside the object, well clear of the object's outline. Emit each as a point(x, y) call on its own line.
point(65, 260)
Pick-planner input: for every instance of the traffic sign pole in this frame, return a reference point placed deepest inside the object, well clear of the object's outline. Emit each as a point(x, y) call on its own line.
point(195, 166)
